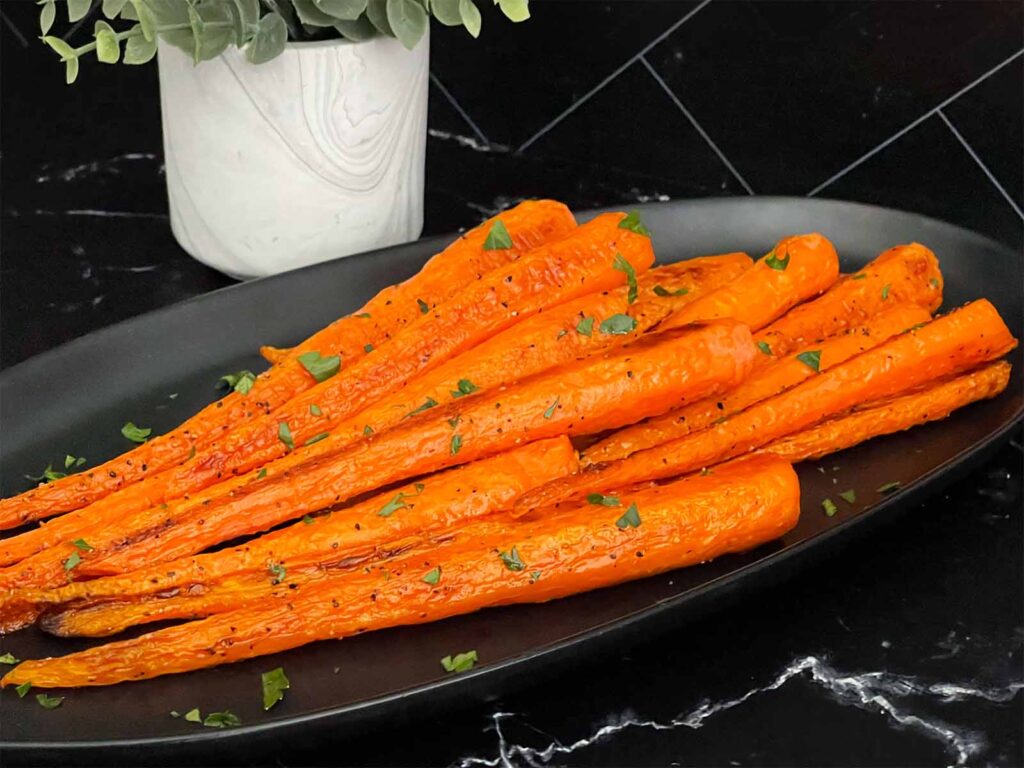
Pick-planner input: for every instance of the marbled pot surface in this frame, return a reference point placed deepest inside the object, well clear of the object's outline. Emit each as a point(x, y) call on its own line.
point(903, 649)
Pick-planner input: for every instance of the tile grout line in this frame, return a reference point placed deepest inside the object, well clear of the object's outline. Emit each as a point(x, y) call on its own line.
point(458, 108)
point(695, 124)
point(906, 129)
point(14, 30)
point(626, 65)
point(978, 160)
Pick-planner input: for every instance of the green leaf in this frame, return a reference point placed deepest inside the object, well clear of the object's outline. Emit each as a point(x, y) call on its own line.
point(446, 12)
point(885, 291)
point(277, 573)
point(72, 561)
point(630, 518)
point(261, 474)
point(308, 520)
point(776, 263)
point(811, 358)
point(427, 404)
point(456, 444)
point(858, 276)
point(367, 430)
point(269, 40)
point(274, 684)
point(661, 291)
point(460, 662)
point(550, 410)
point(70, 71)
point(849, 496)
point(49, 475)
point(632, 222)
point(433, 576)
point(136, 434)
point(346, 10)
point(830, 507)
point(512, 560)
point(65, 51)
point(498, 238)
point(889, 487)
point(424, 307)
point(47, 16)
point(284, 434)
point(620, 264)
point(393, 506)
point(315, 410)
point(193, 716)
point(82, 545)
point(515, 10)
point(367, 348)
point(408, 20)
point(465, 387)
point(470, 16)
point(240, 382)
point(77, 9)
point(8, 658)
point(108, 49)
point(377, 13)
point(454, 422)
point(246, 15)
point(145, 18)
point(317, 438)
point(310, 14)
point(22, 689)
point(600, 499)
point(70, 462)
point(49, 702)
point(763, 346)
point(225, 719)
point(933, 282)
point(585, 327)
point(320, 368)
point(357, 30)
point(618, 324)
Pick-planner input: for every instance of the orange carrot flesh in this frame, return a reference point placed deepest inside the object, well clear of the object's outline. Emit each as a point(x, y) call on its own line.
point(579, 264)
point(930, 404)
point(906, 274)
point(777, 375)
point(529, 225)
point(798, 268)
point(954, 343)
point(678, 524)
point(647, 377)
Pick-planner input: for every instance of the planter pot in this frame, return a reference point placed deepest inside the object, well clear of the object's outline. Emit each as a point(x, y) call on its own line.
point(316, 154)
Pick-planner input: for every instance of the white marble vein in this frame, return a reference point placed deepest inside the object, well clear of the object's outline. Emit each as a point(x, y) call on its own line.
point(470, 142)
point(109, 165)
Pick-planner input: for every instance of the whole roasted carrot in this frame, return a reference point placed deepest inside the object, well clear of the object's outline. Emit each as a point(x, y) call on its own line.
point(528, 225)
point(651, 531)
point(647, 377)
point(767, 380)
point(349, 535)
point(929, 404)
point(798, 268)
point(954, 343)
point(595, 257)
point(905, 274)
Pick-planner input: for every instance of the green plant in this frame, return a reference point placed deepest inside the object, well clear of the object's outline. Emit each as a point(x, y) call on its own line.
point(205, 28)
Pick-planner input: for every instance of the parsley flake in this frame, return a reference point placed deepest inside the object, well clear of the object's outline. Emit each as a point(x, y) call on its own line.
point(240, 382)
point(193, 716)
point(72, 561)
point(367, 430)
point(320, 368)
point(511, 560)
point(465, 387)
point(367, 348)
point(433, 575)
point(618, 324)
point(454, 422)
point(49, 475)
point(889, 487)
point(315, 410)
point(631, 221)
point(560, 334)
point(858, 276)
point(70, 462)
point(498, 238)
point(308, 519)
point(665, 292)
point(933, 282)
point(585, 327)
point(849, 496)
point(424, 307)
point(629, 519)
point(620, 264)
point(134, 433)
point(456, 444)
point(82, 545)
point(550, 410)
point(284, 434)
point(277, 573)
point(49, 702)
point(22, 689)
point(261, 474)
point(830, 507)
point(811, 358)
point(274, 684)
point(8, 658)
point(398, 502)
point(774, 262)
point(600, 499)
point(460, 662)
point(885, 291)
point(225, 719)
point(765, 349)
point(317, 438)
point(427, 405)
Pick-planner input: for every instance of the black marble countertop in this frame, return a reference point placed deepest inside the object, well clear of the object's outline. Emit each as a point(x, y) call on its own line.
point(905, 648)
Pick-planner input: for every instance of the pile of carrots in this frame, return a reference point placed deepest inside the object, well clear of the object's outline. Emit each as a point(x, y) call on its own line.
point(538, 412)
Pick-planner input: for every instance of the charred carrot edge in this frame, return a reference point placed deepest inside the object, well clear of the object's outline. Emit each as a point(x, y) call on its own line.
point(530, 224)
point(768, 380)
point(957, 342)
point(671, 526)
point(435, 503)
point(798, 268)
point(904, 274)
point(584, 262)
point(901, 413)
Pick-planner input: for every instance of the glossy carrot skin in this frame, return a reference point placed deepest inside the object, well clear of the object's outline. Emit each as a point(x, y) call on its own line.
point(530, 224)
point(930, 404)
point(351, 535)
point(770, 378)
point(763, 293)
point(952, 344)
point(557, 272)
point(682, 523)
point(606, 391)
point(906, 274)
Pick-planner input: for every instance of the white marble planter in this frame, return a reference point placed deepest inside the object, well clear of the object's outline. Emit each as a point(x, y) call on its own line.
point(316, 154)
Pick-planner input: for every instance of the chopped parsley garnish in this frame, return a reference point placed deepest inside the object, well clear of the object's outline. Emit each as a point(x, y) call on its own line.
point(320, 368)
point(367, 348)
point(49, 475)
point(274, 684)
point(498, 238)
point(284, 434)
point(8, 658)
point(600, 499)
point(427, 405)
point(849, 496)
point(82, 545)
point(858, 276)
point(916, 327)
point(460, 662)
point(225, 719)
point(70, 462)
point(433, 575)
point(456, 444)
point(889, 487)
point(277, 573)
point(261, 474)
point(630, 518)
point(363, 314)
point(585, 327)
point(193, 716)
point(622, 265)
point(72, 561)
point(934, 282)
point(134, 433)
point(465, 387)
point(811, 358)
point(885, 291)
point(632, 222)
point(22, 689)
point(398, 502)
point(308, 519)
point(534, 577)
point(315, 410)
point(511, 560)
point(424, 307)
point(550, 410)
point(49, 702)
point(619, 324)
point(367, 430)
point(774, 262)
point(317, 438)
point(830, 508)
point(665, 292)
point(240, 382)
point(560, 334)
point(454, 422)
point(763, 346)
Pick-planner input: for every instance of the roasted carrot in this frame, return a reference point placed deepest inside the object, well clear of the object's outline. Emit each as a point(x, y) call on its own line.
point(954, 343)
point(653, 530)
point(768, 380)
point(647, 377)
point(929, 404)
point(591, 259)
point(904, 274)
point(347, 535)
point(463, 263)
point(796, 269)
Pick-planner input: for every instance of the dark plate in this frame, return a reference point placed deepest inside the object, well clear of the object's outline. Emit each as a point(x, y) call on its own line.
point(74, 400)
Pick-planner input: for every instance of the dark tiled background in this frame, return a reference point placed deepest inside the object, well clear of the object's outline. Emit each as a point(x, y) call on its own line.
point(916, 105)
